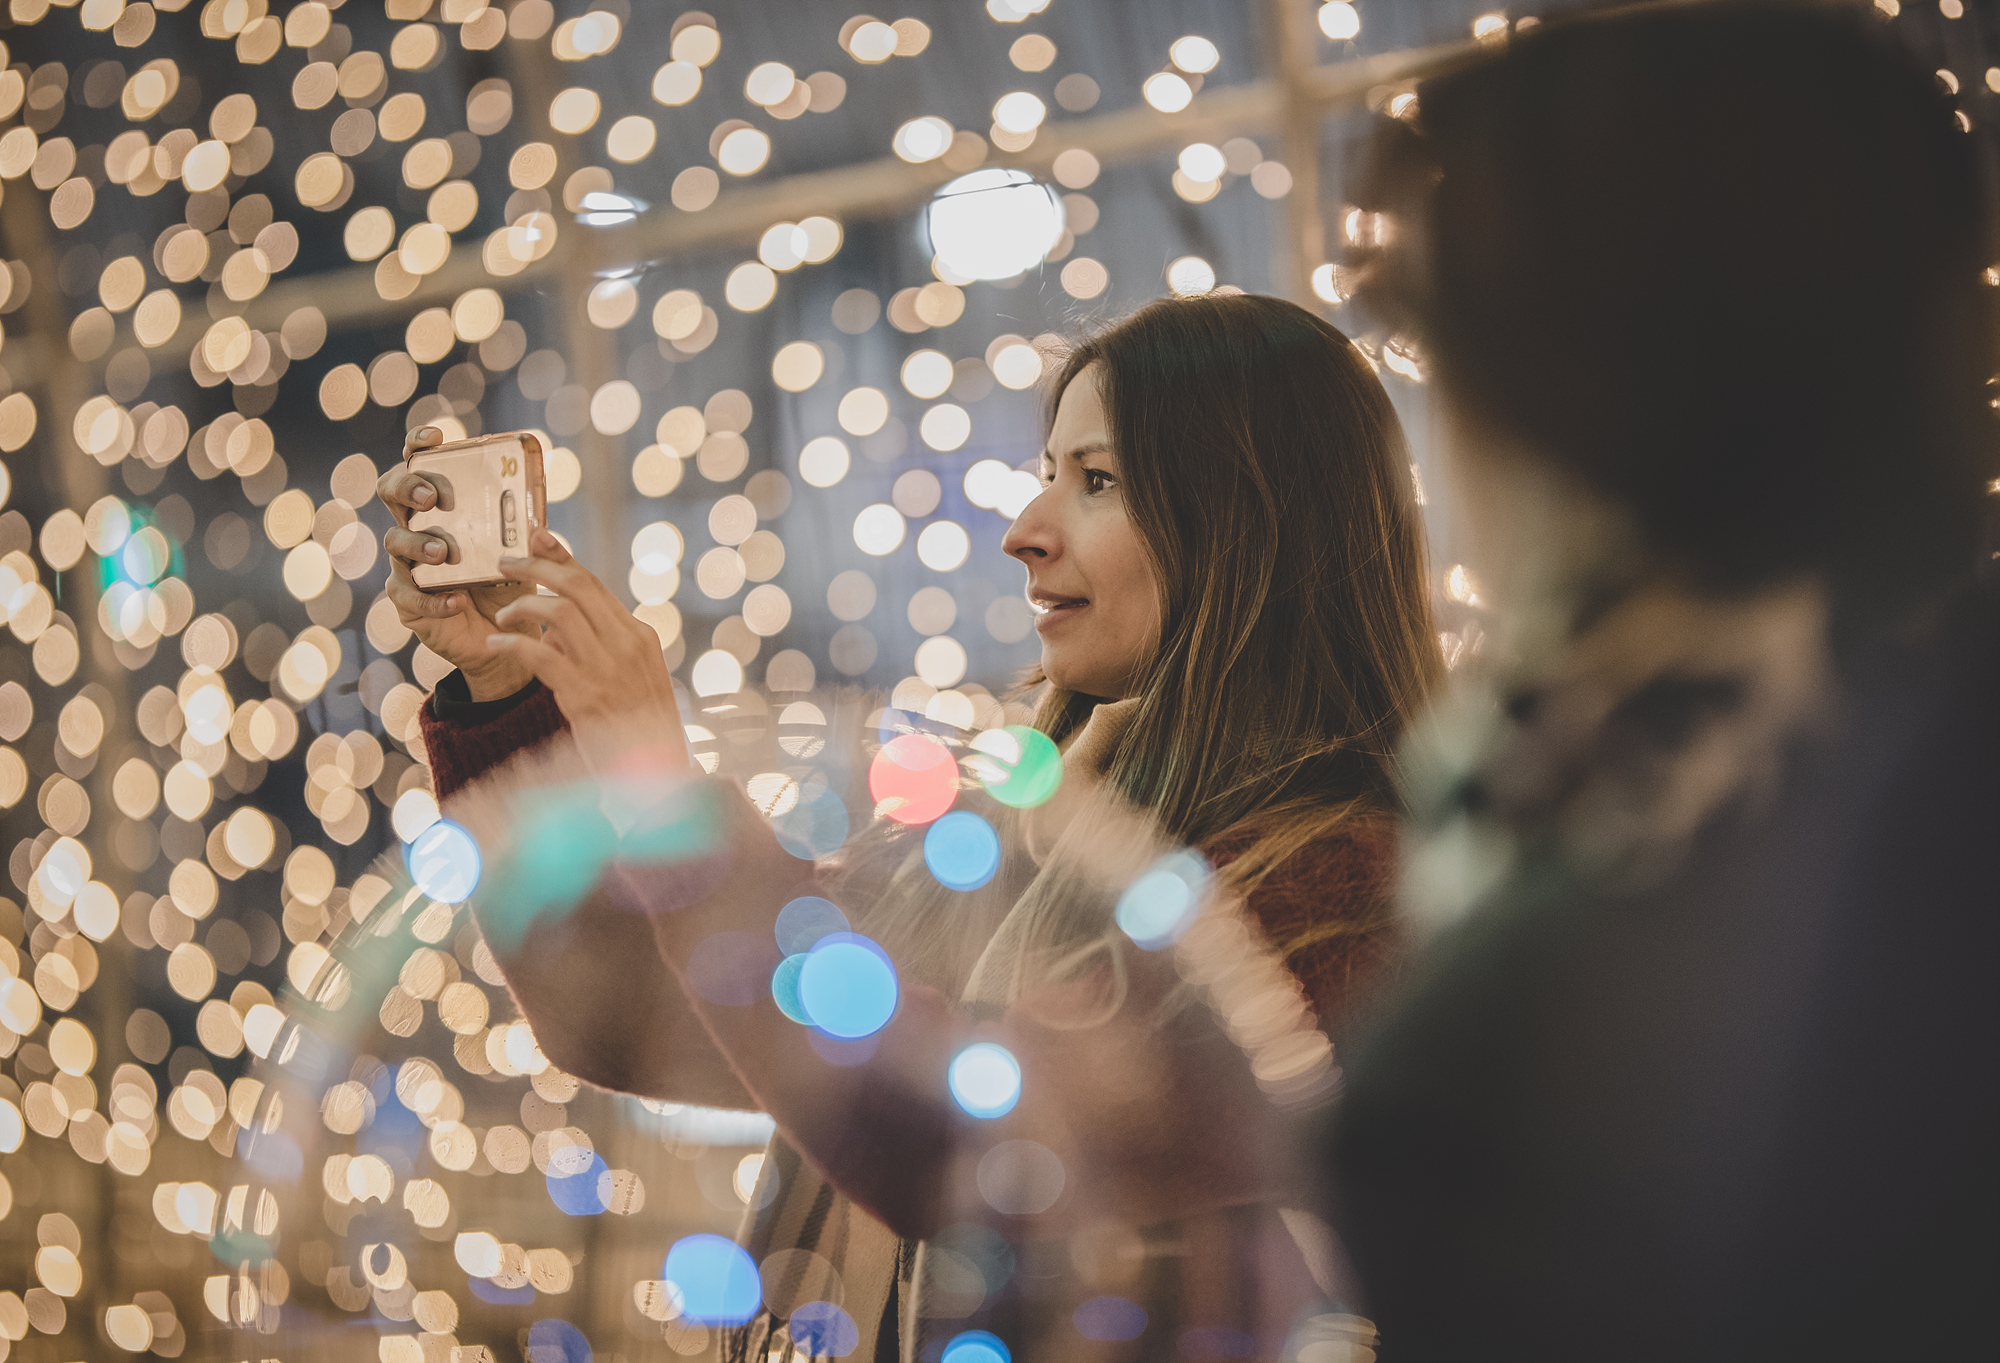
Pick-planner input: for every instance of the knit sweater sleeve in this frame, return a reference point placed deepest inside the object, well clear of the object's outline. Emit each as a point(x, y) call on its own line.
point(1326, 910)
point(466, 739)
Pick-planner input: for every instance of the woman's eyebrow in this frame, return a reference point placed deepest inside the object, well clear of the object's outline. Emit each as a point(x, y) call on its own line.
point(1080, 452)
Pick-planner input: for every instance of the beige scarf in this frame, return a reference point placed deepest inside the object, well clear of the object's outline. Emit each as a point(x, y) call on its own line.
point(812, 1242)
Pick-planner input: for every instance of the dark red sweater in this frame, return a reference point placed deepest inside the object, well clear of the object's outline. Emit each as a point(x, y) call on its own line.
point(1332, 892)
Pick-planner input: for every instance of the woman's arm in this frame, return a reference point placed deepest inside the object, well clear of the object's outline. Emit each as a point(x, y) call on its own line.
point(606, 1009)
point(1152, 1112)
point(602, 1004)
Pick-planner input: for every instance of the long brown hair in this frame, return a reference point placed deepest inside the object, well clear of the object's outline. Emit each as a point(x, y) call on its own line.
point(1269, 480)
point(1270, 483)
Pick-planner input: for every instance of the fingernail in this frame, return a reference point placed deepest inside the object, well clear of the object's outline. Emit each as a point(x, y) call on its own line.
point(498, 640)
point(426, 432)
point(434, 549)
point(423, 496)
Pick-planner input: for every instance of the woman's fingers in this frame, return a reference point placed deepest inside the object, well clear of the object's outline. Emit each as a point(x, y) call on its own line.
point(403, 491)
point(556, 672)
point(414, 546)
point(414, 603)
point(555, 568)
point(421, 438)
point(573, 631)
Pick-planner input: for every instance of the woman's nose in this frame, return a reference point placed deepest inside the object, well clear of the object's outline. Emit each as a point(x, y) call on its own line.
point(1033, 533)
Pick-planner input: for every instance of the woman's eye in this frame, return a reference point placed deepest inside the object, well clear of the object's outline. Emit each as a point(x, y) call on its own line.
point(1096, 480)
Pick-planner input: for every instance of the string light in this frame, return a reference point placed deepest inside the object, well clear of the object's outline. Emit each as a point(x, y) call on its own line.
point(215, 724)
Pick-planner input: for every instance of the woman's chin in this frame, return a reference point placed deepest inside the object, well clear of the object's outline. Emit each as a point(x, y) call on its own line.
point(1088, 681)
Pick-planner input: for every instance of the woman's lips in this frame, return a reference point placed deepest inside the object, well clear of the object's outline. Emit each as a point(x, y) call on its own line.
point(1055, 612)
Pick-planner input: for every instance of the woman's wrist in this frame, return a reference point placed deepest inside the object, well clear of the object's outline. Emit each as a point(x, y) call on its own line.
point(496, 680)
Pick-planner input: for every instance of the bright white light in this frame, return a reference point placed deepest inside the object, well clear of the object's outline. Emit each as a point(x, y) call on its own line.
point(595, 33)
point(879, 529)
point(745, 1179)
point(478, 1253)
point(922, 139)
point(1194, 53)
point(986, 483)
point(1326, 282)
point(863, 411)
point(1017, 366)
point(784, 246)
point(750, 286)
point(414, 811)
point(1339, 21)
point(1019, 112)
point(770, 83)
point(945, 427)
point(676, 83)
point(943, 546)
point(822, 238)
point(657, 549)
point(602, 209)
point(1158, 907)
point(1020, 488)
point(1203, 162)
point(941, 661)
point(697, 44)
point(985, 1079)
point(744, 152)
point(717, 673)
point(1167, 91)
point(1190, 275)
point(1489, 26)
point(823, 462)
point(873, 42)
point(994, 224)
point(927, 373)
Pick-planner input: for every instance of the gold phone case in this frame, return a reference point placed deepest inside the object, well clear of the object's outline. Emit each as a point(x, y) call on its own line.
point(491, 501)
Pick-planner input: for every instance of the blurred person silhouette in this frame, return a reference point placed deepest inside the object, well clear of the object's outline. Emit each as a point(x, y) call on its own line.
point(1702, 1058)
point(1228, 566)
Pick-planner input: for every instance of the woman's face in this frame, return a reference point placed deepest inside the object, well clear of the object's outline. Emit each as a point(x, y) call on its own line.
point(1092, 586)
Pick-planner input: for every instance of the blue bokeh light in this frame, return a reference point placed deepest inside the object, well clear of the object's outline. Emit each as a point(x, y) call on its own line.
point(825, 1330)
point(575, 1184)
point(847, 986)
point(1160, 905)
point(962, 850)
point(1109, 1318)
point(985, 1080)
point(816, 826)
point(716, 1278)
point(443, 862)
point(785, 988)
point(976, 1346)
point(557, 1341)
point(804, 921)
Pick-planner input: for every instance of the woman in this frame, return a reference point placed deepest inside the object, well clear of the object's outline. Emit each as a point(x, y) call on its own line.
point(1228, 566)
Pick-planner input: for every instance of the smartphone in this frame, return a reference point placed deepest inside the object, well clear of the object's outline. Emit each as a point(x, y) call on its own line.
point(491, 501)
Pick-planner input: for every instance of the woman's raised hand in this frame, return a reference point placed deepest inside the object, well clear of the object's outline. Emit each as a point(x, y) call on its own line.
point(603, 663)
point(456, 624)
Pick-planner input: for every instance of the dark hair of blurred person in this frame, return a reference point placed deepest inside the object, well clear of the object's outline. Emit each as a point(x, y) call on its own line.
point(1701, 1060)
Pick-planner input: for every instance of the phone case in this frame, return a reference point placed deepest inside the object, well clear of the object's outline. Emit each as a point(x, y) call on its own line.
point(491, 501)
